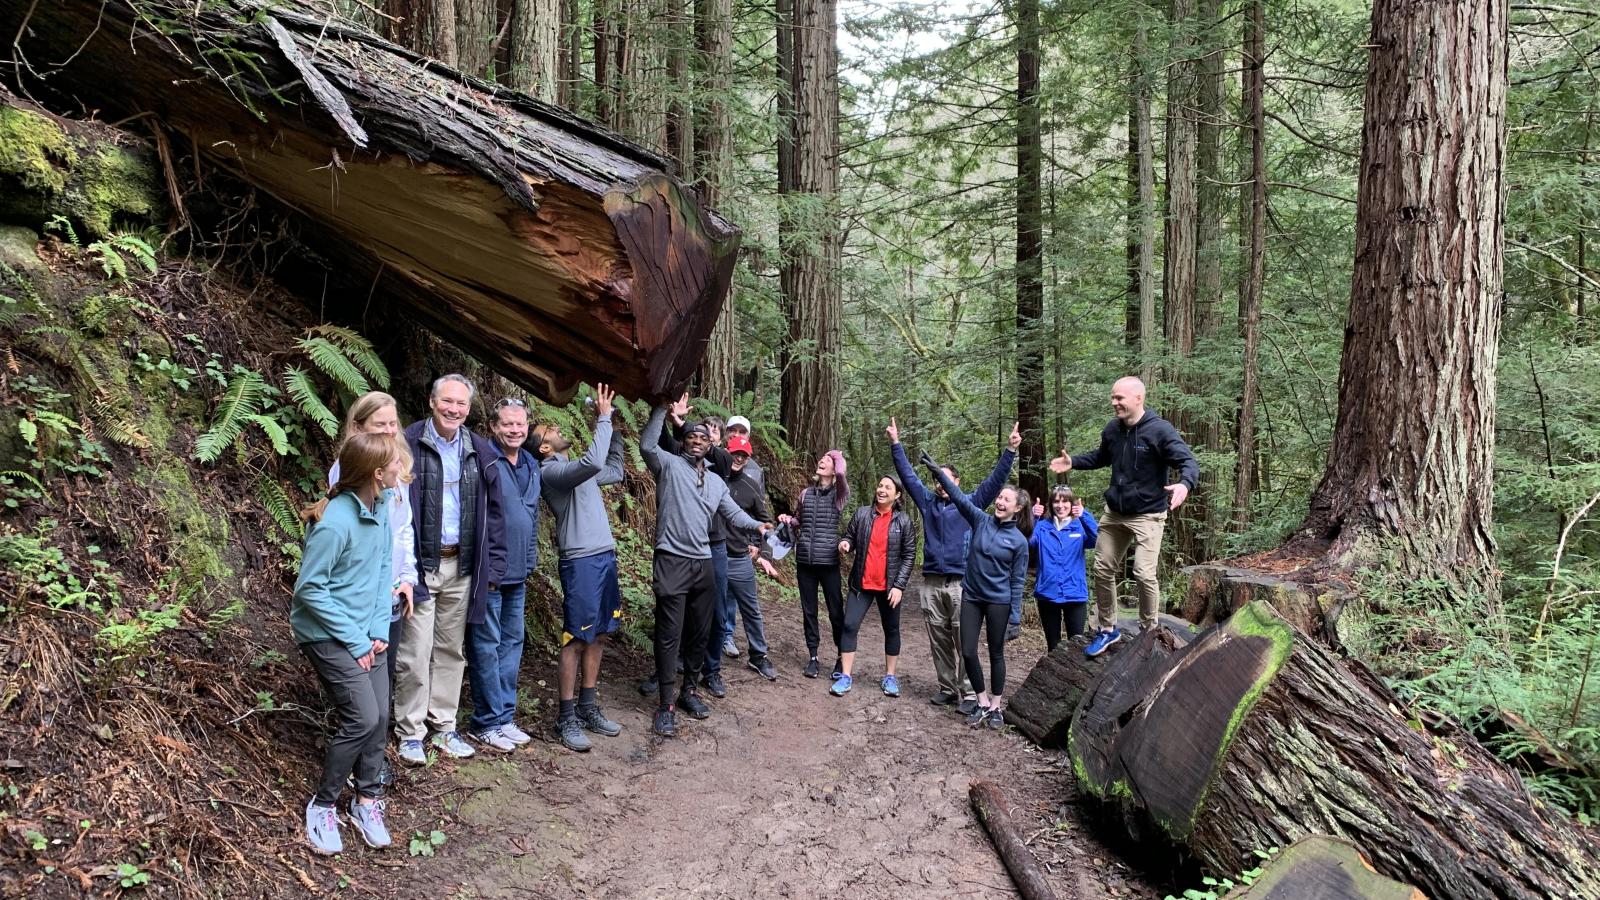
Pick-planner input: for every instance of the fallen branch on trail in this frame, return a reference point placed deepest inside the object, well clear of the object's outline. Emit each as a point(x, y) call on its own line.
point(1255, 736)
point(551, 249)
point(990, 806)
point(1324, 868)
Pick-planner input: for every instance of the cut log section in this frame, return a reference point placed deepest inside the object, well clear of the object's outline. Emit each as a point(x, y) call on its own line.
point(1255, 736)
point(1324, 868)
point(1216, 590)
point(1042, 708)
point(990, 806)
point(551, 249)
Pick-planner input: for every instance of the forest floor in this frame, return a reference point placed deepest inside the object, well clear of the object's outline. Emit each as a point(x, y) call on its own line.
point(784, 791)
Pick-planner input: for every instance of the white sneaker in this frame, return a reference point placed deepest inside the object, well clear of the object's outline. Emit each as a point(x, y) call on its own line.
point(514, 734)
point(451, 744)
point(495, 740)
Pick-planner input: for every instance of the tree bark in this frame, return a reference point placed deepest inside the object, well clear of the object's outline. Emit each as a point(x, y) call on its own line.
point(1253, 268)
point(1180, 285)
point(1256, 736)
point(535, 38)
point(1141, 333)
point(571, 79)
point(989, 803)
point(426, 26)
point(1030, 254)
point(552, 250)
point(1412, 457)
point(604, 16)
point(713, 170)
point(475, 33)
point(809, 279)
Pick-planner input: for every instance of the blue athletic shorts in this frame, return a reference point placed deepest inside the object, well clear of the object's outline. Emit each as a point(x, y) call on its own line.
point(592, 602)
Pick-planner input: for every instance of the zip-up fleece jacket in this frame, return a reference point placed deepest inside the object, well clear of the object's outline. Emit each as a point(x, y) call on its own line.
point(403, 557)
point(945, 532)
point(816, 531)
point(572, 491)
point(1061, 576)
point(484, 557)
point(342, 593)
point(900, 554)
point(997, 555)
point(747, 493)
point(1139, 457)
point(521, 510)
point(717, 460)
point(688, 497)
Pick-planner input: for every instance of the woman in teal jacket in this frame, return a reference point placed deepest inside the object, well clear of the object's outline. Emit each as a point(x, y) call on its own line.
point(340, 618)
point(1061, 588)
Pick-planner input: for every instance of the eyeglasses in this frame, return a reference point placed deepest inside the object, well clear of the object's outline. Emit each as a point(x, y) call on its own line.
point(511, 401)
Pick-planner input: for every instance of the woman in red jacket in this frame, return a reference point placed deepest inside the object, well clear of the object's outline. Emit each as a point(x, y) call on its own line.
point(885, 546)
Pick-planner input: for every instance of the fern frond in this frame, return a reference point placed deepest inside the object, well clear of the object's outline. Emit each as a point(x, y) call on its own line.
point(279, 505)
point(280, 438)
point(241, 401)
point(299, 386)
point(359, 350)
point(141, 250)
point(18, 475)
point(116, 424)
point(57, 422)
point(332, 362)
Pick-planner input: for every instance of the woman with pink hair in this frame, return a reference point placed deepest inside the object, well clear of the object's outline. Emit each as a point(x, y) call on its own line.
point(816, 524)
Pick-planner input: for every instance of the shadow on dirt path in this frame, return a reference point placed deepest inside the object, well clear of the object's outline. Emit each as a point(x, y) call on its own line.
point(785, 791)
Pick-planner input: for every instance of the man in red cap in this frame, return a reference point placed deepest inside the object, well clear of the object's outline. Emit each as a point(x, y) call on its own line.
point(744, 553)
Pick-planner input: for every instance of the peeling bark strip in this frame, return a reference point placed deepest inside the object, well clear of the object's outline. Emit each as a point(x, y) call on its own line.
point(1256, 736)
point(1412, 454)
point(550, 248)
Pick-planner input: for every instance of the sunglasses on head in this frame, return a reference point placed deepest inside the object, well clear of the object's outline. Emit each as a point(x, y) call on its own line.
point(511, 401)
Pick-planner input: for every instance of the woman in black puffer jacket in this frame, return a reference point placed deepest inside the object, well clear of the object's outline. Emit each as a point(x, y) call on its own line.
point(885, 547)
point(816, 523)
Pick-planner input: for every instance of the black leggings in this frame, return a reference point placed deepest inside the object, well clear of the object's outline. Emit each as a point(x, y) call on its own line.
point(809, 577)
point(996, 616)
point(1050, 615)
point(856, 610)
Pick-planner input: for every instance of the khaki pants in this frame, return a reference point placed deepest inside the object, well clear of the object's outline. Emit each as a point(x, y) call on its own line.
point(941, 609)
point(427, 673)
point(1117, 534)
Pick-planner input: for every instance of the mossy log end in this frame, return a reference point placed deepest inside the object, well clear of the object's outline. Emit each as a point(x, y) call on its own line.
point(548, 247)
point(1324, 868)
point(1216, 590)
point(1042, 708)
point(1254, 736)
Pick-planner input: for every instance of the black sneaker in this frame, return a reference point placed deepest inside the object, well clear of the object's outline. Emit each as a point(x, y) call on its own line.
point(666, 723)
point(764, 666)
point(943, 698)
point(812, 668)
point(965, 707)
point(978, 716)
point(650, 686)
point(996, 719)
point(570, 732)
point(694, 706)
point(713, 683)
point(595, 720)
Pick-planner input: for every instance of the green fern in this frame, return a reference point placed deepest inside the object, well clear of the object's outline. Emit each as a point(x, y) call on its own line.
point(329, 358)
point(299, 386)
point(116, 268)
point(280, 506)
point(275, 432)
point(242, 400)
point(116, 423)
point(139, 247)
point(64, 226)
point(19, 475)
point(358, 349)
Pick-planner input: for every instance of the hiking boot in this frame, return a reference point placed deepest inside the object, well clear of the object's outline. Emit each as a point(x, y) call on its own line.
point(368, 820)
point(978, 715)
point(650, 686)
point(729, 648)
point(713, 682)
point(450, 744)
point(494, 740)
point(965, 707)
point(322, 829)
point(515, 735)
point(693, 705)
point(841, 685)
point(1101, 641)
point(996, 719)
point(812, 668)
point(891, 686)
point(764, 666)
point(666, 723)
point(412, 754)
point(570, 731)
point(595, 720)
point(944, 698)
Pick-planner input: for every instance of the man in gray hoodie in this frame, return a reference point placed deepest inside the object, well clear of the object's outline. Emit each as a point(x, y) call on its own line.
point(592, 601)
point(687, 498)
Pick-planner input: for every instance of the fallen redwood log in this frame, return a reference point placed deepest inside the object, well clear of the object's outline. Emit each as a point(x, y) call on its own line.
point(1254, 736)
point(990, 806)
point(1324, 868)
point(544, 245)
point(1042, 708)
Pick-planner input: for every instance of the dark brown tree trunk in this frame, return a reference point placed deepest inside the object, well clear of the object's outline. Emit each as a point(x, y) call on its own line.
point(606, 37)
point(475, 36)
point(535, 41)
point(1253, 267)
point(426, 26)
point(1412, 458)
point(680, 39)
point(1142, 203)
point(809, 278)
point(713, 154)
point(1179, 277)
point(1255, 736)
point(571, 77)
point(989, 803)
point(1030, 254)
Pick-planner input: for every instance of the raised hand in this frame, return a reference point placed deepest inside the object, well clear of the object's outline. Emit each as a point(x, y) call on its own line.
point(1038, 510)
point(927, 459)
point(1062, 464)
point(680, 409)
point(603, 396)
point(893, 431)
point(1077, 508)
point(1177, 493)
point(1015, 440)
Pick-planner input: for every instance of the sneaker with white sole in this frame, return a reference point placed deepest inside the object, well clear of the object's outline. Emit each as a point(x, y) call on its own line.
point(368, 820)
point(450, 744)
point(595, 720)
point(570, 732)
point(322, 829)
point(412, 754)
point(514, 734)
point(494, 739)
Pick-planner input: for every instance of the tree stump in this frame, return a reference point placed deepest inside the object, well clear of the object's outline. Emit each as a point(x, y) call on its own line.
point(1254, 736)
point(1216, 590)
point(1324, 868)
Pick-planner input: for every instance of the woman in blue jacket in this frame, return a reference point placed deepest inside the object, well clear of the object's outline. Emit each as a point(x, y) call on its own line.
point(1060, 587)
point(997, 565)
point(340, 619)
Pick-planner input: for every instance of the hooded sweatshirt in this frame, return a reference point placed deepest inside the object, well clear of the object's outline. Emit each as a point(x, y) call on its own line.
point(1139, 456)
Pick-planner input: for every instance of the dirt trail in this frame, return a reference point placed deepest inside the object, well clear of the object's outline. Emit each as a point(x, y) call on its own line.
point(785, 791)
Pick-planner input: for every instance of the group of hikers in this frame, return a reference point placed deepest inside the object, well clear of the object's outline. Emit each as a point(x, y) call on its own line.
point(415, 563)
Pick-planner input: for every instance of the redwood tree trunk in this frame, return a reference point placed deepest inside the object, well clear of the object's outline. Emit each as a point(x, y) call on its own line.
point(475, 34)
point(535, 38)
point(426, 26)
point(1030, 253)
point(713, 155)
point(1413, 450)
point(1141, 313)
point(1180, 276)
point(1253, 266)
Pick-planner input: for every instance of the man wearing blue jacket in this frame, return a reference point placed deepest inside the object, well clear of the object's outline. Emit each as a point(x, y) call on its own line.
point(1140, 447)
point(944, 563)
